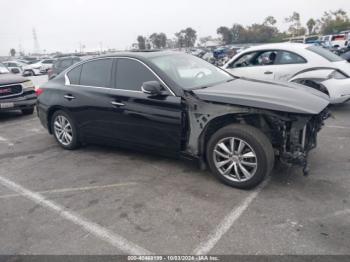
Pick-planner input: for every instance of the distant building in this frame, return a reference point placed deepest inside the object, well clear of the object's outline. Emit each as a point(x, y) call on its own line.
point(212, 43)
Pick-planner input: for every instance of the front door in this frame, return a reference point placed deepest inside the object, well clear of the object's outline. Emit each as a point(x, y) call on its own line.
point(143, 120)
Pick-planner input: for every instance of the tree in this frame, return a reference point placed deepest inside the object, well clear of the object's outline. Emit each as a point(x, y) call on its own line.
point(295, 28)
point(142, 42)
point(333, 22)
point(158, 40)
point(260, 33)
point(270, 21)
point(226, 34)
point(186, 37)
point(155, 40)
point(180, 39)
point(239, 34)
point(311, 24)
point(13, 52)
point(163, 40)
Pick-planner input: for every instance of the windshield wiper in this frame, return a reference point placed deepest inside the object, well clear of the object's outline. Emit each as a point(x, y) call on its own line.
point(201, 87)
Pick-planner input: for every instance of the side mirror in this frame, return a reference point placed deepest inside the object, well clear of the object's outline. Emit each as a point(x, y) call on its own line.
point(152, 88)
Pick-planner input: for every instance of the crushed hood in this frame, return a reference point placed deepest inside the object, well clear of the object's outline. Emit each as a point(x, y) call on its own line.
point(279, 96)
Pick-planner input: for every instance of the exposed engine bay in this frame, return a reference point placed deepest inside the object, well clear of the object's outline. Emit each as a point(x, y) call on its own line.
point(292, 135)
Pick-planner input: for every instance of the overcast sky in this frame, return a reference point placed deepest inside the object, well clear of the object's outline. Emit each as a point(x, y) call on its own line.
point(61, 25)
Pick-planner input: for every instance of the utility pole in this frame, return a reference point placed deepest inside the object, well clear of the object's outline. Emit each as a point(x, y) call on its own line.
point(36, 42)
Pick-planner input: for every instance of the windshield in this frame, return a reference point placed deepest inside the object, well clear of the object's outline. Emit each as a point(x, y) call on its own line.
point(325, 53)
point(190, 72)
point(3, 69)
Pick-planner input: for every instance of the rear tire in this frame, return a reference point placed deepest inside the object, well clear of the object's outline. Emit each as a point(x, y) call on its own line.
point(28, 111)
point(64, 130)
point(240, 156)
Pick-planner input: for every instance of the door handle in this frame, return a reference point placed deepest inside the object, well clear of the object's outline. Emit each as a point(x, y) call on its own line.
point(268, 73)
point(69, 97)
point(117, 103)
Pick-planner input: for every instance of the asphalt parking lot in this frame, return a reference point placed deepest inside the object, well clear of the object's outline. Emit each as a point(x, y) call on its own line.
point(99, 200)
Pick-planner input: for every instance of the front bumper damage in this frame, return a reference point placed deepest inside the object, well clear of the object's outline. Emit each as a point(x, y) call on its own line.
point(300, 137)
point(292, 135)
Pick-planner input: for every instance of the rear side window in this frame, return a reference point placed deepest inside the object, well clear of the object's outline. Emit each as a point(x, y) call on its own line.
point(65, 63)
point(96, 73)
point(74, 75)
point(325, 53)
point(132, 74)
point(290, 58)
point(48, 61)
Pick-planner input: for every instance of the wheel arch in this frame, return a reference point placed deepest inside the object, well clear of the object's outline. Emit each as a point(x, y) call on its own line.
point(50, 113)
point(257, 120)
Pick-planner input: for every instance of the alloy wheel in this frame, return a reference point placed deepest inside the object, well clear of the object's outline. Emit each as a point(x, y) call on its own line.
point(63, 130)
point(235, 159)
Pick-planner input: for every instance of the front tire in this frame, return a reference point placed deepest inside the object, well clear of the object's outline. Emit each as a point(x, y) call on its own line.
point(240, 156)
point(64, 130)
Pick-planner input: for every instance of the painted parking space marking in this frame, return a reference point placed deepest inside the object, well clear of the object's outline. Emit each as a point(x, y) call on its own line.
point(204, 247)
point(98, 231)
point(339, 127)
point(73, 189)
point(16, 123)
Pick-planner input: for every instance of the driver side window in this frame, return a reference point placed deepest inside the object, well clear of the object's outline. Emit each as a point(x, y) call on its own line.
point(132, 74)
point(265, 58)
point(243, 61)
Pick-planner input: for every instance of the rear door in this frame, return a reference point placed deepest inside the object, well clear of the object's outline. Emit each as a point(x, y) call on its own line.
point(88, 98)
point(142, 120)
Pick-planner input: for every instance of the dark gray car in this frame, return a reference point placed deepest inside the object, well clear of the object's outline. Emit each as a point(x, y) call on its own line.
point(62, 64)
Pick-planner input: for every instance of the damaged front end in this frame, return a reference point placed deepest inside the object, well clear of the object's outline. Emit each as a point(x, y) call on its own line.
point(298, 136)
point(292, 135)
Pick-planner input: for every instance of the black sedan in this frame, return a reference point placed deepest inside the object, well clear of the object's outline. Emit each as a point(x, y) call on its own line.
point(177, 104)
point(16, 92)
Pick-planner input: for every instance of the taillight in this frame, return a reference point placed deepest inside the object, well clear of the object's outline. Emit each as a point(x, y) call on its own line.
point(39, 91)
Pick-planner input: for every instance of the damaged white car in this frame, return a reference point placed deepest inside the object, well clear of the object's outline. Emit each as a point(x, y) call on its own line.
point(312, 66)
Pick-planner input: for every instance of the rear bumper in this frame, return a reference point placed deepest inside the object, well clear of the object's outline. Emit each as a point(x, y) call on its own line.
point(22, 102)
point(42, 115)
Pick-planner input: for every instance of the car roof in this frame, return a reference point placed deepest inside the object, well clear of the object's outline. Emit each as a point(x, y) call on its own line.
point(283, 46)
point(141, 54)
point(67, 57)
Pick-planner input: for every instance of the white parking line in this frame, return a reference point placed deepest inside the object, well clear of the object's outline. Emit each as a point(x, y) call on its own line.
point(73, 189)
point(205, 246)
point(98, 231)
point(16, 123)
point(2, 139)
point(339, 127)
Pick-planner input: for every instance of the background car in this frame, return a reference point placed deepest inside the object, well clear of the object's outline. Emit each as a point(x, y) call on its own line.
point(61, 64)
point(346, 56)
point(16, 92)
point(309, 65)
point(14, 66)
point(46, 65)
point(38, 67)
